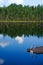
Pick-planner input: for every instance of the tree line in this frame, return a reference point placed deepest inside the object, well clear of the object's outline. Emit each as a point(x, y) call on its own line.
point(20, 12)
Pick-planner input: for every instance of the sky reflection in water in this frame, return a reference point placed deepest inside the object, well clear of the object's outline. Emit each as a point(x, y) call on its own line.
point(13, 51)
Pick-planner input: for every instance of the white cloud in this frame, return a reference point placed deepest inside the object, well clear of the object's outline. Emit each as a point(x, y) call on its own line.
point(16, 1)
point(8, 2)
point(1, 61)
point(20, 39)
point(4, 44)
point(1, 1)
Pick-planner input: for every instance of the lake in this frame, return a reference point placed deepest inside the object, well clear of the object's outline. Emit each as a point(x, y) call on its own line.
point(15, 39)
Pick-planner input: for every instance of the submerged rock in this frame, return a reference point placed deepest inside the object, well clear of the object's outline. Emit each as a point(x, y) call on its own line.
point(36, 50)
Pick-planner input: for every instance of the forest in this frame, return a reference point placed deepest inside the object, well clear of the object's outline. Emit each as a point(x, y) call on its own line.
point(20, 12)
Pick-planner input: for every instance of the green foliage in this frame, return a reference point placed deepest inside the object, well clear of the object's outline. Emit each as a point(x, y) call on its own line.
point(14, 29)
point(19, 12)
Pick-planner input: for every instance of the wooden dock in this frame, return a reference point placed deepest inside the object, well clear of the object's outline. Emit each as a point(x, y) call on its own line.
point(36, 50)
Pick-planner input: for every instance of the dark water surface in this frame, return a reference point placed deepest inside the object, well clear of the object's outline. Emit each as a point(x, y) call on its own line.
point(16, 39)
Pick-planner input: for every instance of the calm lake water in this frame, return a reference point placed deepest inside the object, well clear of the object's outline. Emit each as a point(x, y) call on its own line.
point(14, 42)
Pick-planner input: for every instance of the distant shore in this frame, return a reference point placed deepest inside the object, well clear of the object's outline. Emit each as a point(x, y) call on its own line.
point(19, 21)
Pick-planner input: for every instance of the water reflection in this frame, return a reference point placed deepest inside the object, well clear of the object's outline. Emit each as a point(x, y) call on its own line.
point(5, 40)
point(18, 29)
point(1, 61)
point(3, 44)
point(20, 39)
point(16, 38)
point(30, 40)
point(1, 35)
point(14, 50)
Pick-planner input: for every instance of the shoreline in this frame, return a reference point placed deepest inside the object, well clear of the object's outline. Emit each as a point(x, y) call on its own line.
point(19, 21)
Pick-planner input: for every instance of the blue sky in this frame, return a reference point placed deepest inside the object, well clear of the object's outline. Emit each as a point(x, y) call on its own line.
point(23, 2)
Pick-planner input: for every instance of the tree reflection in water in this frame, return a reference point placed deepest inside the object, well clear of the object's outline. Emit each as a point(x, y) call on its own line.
point(18, 29)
